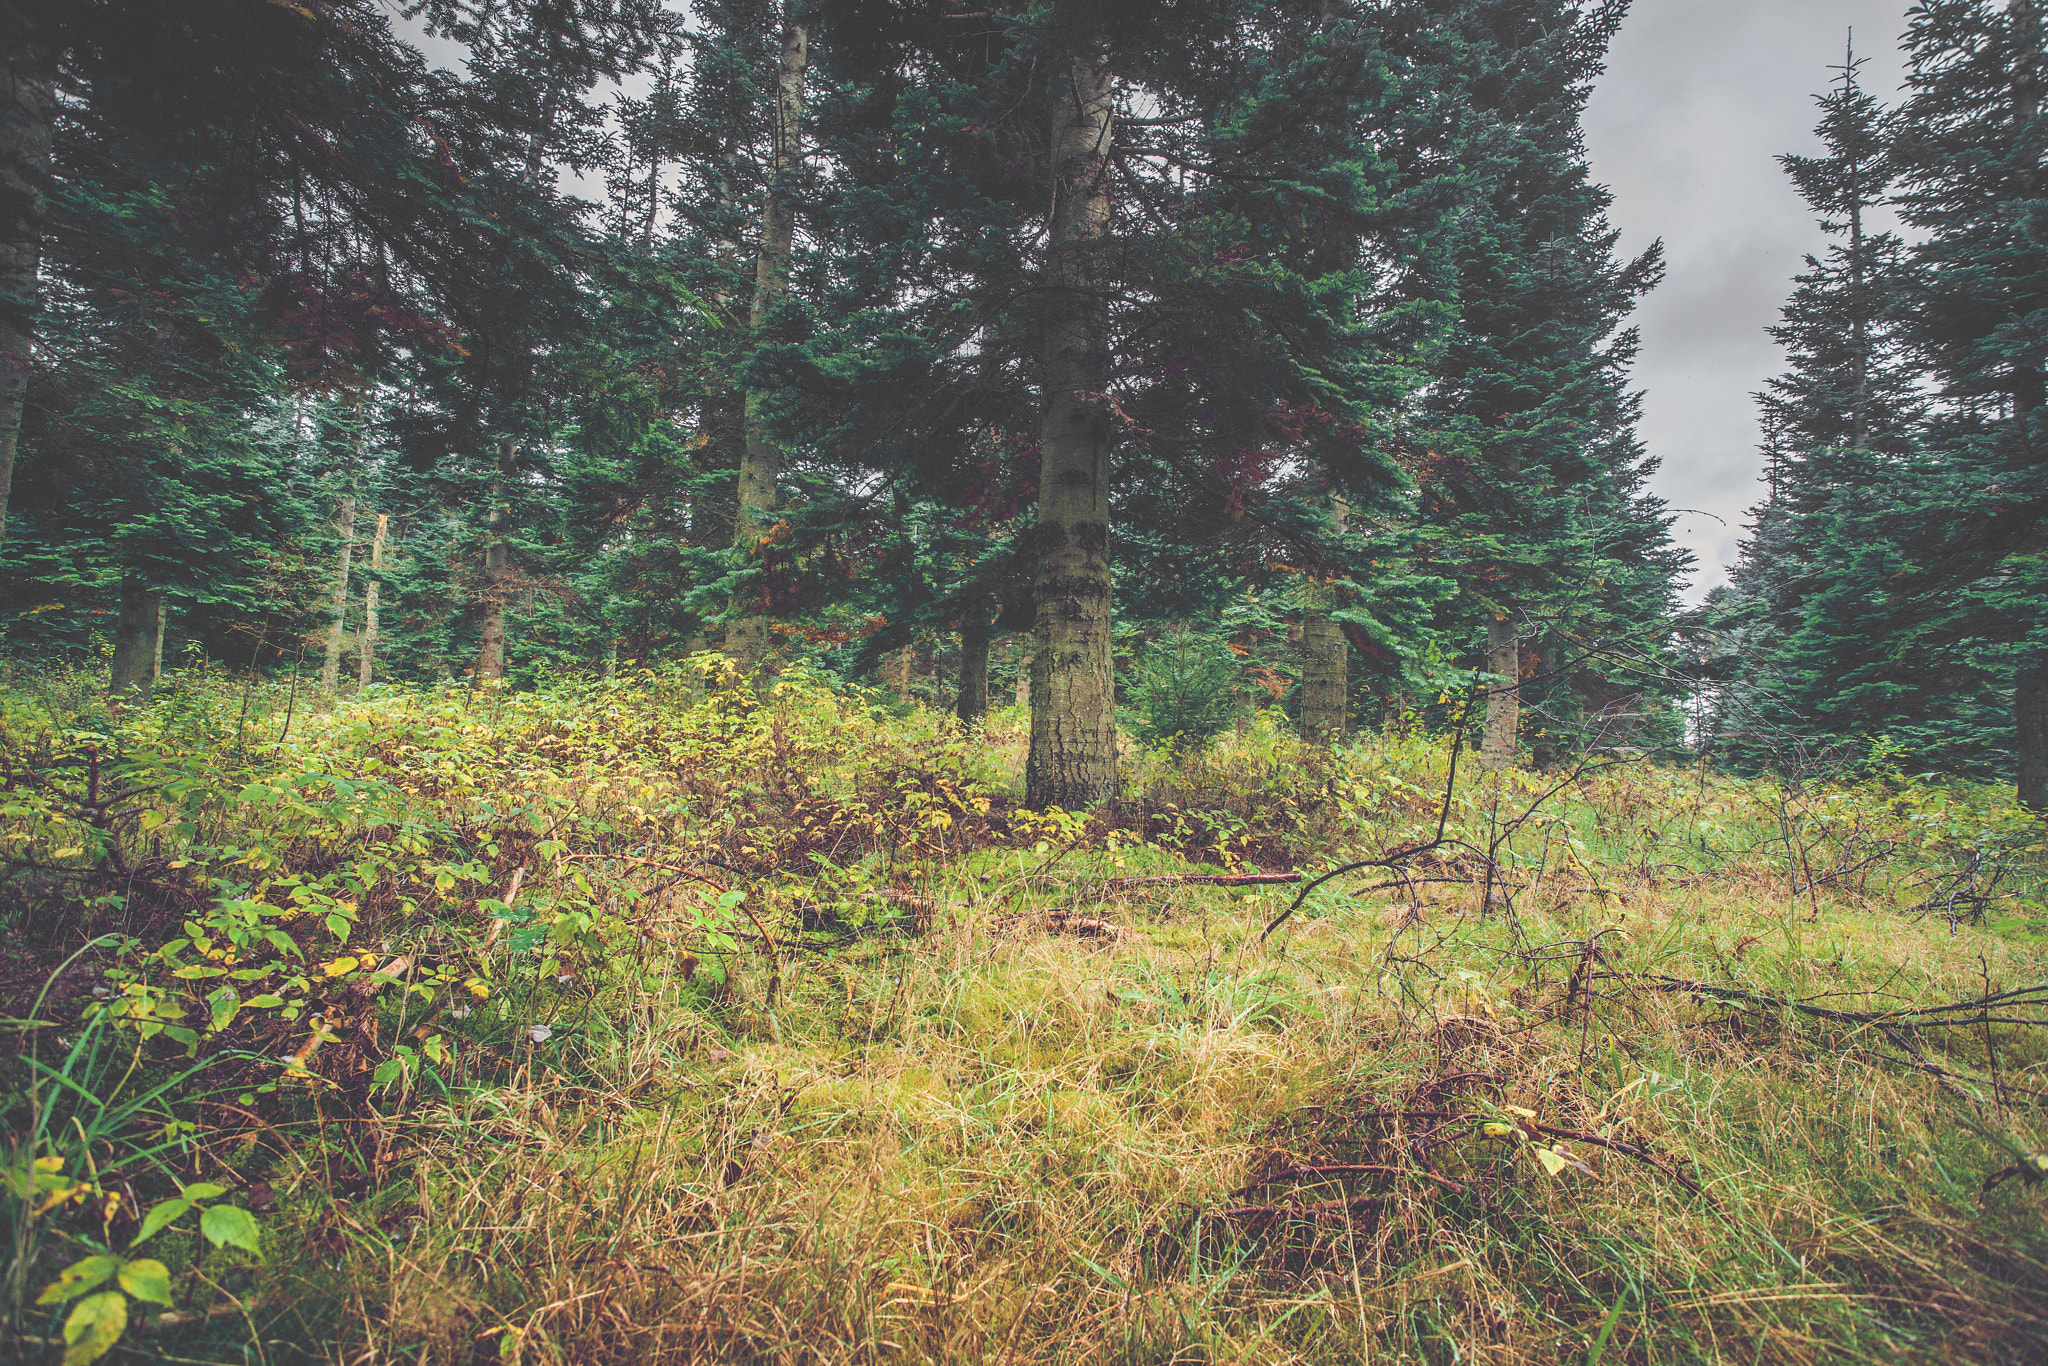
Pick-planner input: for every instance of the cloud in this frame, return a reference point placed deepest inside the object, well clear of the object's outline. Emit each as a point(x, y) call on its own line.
point(1699, 99)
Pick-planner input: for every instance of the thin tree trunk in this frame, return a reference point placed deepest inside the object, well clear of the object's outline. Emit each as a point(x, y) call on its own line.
point(747, 639)
point(2030, 713)
point(27, 113)
point(1072, 761)
point(366, 655)
point(1503, 700)
point(490, 657)
point(156, 664)
point(975, 633)
point(134, 639)
point(345, 527)
point(1023, 677)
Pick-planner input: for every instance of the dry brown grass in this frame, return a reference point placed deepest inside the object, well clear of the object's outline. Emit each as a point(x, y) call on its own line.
point(997, 1148)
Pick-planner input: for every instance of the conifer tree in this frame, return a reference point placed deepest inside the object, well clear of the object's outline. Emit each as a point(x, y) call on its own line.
point(1533, 493)
point(1839, 427)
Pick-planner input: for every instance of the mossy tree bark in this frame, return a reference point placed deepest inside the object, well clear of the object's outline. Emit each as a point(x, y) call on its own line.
point(1072, 761)
point(135, 636)
point(490, 657)
point(1504, 699)
point(27, 116)
point(1325, 659)
point(337, 601)
point(1325, 678)
point(366, 655)
point(747, 638)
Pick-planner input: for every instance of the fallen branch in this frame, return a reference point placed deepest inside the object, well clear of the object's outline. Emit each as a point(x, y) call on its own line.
point(1310, 1172)
point(1972, 1012)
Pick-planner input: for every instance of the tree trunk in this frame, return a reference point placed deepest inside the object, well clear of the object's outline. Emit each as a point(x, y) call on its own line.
point(975, 634)
point(156, 663)
point(1072, 762)
point(490, 657)
point(1023, 679)
point(2030, 713)
point(134, 639)
point(898, 670)
point(747, 639)
point(345, 527)
point(366, 655)
point(27, 112)
point(1325, 660)
point(1504, 699)
point(1325, 678)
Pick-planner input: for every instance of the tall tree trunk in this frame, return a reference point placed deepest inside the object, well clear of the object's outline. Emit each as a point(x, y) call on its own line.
point(490, 655)
point(1504, 699)
point(1072, 762)
point(747, 639)
point(1325, 677)
point(2030, 713)
point(27, 113)
point(156, 662)
point(976, 630)
point(1325, 659)
point(134, 639)
point(345, 527)
point(366, 655)
point(1023, 676)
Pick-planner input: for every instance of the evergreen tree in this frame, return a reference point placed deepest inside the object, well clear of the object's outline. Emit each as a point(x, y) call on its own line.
point(1839, 427)
point(1534, 491)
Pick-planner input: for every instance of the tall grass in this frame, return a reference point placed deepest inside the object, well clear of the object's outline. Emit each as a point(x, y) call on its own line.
point(913, 1117)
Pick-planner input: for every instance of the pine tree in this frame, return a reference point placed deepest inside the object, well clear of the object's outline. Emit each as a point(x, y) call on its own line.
point(1534, 492)
point(1839, 428)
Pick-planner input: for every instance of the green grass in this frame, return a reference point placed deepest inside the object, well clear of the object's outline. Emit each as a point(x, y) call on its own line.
point(924, 1128)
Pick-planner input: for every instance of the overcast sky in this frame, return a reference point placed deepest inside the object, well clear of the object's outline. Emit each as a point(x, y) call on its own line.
point(1699, 97)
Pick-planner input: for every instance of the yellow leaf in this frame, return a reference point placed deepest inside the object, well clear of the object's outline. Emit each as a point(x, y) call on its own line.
point(340, 965)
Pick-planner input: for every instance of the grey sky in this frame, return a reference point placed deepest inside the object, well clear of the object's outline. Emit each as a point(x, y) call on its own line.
point(1699, 97)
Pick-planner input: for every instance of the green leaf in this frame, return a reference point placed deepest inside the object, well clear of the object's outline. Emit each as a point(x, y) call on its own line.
point(94, 1327)
point(338, 926)
point(161, 1213)
point(199, 970)
point(204, 1190)
point(224, 1224)
point(1552, 1163)
point(387, 1072)
point(147, 1280)
point(225, 1003)
point(78, 1278)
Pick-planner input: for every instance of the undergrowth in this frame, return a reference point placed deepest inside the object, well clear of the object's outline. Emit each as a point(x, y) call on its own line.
point(659, 1018)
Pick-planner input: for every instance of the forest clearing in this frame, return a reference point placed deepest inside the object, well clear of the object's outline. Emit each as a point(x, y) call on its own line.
point(865, 681)
point(655, 1019)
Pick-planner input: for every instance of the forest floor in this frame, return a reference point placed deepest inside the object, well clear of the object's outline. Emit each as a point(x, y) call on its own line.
point(652, 1020)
